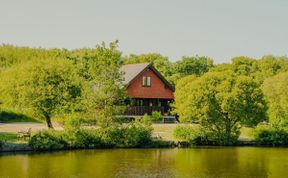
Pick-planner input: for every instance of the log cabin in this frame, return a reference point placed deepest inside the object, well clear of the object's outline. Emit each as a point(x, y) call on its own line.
point(148, 89)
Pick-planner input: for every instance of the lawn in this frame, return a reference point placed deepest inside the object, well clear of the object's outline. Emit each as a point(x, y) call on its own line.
point(165, 131)
point(8, 137)
point(9, 117)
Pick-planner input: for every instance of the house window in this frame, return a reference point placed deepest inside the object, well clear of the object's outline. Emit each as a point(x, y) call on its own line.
point(146, 81)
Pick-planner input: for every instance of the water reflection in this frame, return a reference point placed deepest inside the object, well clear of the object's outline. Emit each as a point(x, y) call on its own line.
point(194, 162)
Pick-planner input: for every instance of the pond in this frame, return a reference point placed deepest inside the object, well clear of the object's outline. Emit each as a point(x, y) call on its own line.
point(191, 162)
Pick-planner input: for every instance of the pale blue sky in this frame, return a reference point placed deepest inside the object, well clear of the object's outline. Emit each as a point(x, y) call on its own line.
point(220, 29)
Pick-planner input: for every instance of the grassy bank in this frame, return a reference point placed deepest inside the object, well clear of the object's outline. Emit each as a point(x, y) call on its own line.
point(8, 137)
point(165, 131)
point(11, 117)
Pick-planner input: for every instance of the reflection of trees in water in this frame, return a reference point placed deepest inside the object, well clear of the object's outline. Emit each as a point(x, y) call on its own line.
point(195, 162)
point(219, 162)
point(104, 163)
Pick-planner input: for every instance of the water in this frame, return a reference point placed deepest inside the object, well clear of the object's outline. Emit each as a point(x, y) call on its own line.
point(193, 162)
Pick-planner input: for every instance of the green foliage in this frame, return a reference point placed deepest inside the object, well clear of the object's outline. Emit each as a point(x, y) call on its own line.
point(186, 133)
point(271, 136)
point(12, 55)
point(191, 66)
point(7, 116)
point(84, 138)
point(275, 90)
point(90, 76)
point(258, 69)
point(146, 119)
point(100, 67)
point(134, 134)
point(48, 140)
point(7, 137)
point(183, 89)
point(201, 136)
point(43, 88)
point(220, 102)
point(156, 116)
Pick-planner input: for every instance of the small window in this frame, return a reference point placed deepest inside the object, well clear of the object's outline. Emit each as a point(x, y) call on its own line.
point(146, 81)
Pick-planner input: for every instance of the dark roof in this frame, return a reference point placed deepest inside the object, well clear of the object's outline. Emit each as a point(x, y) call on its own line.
point(131, 71)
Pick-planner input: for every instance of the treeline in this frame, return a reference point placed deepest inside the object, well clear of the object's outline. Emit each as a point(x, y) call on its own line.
point(86, 83)
point(246, 92)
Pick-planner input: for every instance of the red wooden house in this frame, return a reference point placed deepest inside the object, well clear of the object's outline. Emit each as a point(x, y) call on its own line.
point(148, 89)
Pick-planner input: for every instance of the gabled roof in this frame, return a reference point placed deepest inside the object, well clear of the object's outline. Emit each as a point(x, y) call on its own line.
point(132, 71)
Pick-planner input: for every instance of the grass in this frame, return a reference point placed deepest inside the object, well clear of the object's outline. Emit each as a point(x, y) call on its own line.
point(165, 131)
point(10, 117)
point(246, 134)
point(8, 137)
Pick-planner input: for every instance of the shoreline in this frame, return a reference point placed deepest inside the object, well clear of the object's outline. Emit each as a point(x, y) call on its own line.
point(25, 148)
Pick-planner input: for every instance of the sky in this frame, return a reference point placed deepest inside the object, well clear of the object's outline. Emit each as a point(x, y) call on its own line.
point(220, 29)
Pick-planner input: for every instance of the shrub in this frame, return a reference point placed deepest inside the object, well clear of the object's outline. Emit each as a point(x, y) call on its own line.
point(83, 138)
point(198, 135)
point(219, 137)
point(48, 140)
point(135, 134)
point(271, 136)
point(185, 133)
point(146, 120)
point(156, 116)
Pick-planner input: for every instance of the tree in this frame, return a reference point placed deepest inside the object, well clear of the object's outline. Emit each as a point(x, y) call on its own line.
point(13, 55)
point(44, 88)
point(220, 103)
point(261, 69)
point(191, 66)
point(183, 88)
point(275, 90)
point(269, 66)
point(100, 67)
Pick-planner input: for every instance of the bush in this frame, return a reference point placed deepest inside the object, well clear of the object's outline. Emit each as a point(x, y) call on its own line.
point(156, 116)
point(83, 138)
point(48, 140)
point(198, 135)
point(146, 119)
point(135, 134)
point(185, 133)
point(271, 136)
point(220, 137)
point(192, 135)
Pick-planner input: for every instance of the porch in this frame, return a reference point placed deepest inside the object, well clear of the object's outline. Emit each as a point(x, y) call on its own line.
point(142, 110)
point(141, 106)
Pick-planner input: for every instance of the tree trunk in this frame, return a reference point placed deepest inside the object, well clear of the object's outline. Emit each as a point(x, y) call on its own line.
point(48, 121)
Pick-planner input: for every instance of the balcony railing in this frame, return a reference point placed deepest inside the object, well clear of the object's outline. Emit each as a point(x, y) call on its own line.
point(141, 110)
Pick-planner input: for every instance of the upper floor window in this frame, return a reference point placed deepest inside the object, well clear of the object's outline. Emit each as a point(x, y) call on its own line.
point(146, 81)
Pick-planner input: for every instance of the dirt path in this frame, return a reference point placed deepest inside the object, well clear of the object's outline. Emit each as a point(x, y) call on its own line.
point(20, 126)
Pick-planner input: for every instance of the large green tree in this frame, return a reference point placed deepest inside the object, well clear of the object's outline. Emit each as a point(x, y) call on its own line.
point(221, 103)
point(13, 55)
point(191, 66)
point(43, 88)
point(100, 67)
point(259, 70)
point(275, 90)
